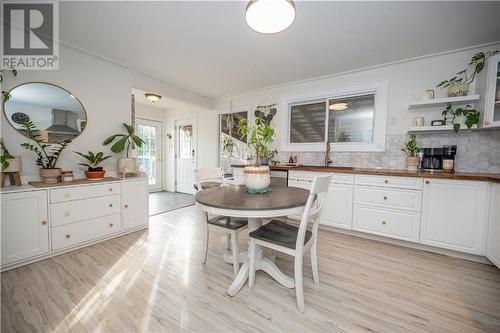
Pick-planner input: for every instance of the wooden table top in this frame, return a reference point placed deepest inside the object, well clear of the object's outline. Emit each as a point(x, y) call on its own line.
point(236, 198)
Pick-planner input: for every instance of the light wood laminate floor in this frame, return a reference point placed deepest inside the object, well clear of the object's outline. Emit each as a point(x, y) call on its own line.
point(153, 280)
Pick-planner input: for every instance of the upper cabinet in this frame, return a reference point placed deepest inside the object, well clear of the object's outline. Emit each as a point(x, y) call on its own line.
point(490, 84)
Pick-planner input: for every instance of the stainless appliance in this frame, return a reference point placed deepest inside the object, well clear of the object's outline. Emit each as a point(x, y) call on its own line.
point(438, 159)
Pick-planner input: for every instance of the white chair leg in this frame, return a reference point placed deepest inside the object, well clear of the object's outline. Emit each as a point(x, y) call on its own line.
point(204, 238)
point(236, 252)
point(314, 262)
point(251, 272)
point(299, 287)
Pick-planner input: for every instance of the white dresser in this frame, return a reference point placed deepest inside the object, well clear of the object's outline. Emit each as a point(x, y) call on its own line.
point(42, 222)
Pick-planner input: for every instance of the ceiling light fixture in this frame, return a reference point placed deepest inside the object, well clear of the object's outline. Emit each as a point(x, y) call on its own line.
point(338, 106)
point(270, 16)
point(152, 97)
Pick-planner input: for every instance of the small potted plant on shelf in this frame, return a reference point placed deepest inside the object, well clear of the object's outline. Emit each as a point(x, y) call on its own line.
point(451, 116)
point(259, 137)
point(411, 150)
point(95, 171)
point(47, 154)
point(130, 140)
point(459, 84)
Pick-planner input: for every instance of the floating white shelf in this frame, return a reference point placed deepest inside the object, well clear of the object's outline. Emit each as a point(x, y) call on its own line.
point(436, 129)
point(437, 102)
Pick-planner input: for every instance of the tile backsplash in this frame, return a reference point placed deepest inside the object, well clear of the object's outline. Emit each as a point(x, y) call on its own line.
point(476, 152)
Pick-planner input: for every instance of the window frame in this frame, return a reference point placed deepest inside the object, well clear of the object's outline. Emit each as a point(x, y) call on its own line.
point(380, 91)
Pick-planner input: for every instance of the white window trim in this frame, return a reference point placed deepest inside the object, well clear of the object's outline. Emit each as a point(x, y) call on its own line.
point(381, 91)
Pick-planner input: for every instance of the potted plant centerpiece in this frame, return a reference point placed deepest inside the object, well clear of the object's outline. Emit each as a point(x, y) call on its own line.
point(130, 140)
point(95, 171)
point(259, 137)
point(47, 154)
point(411, 150)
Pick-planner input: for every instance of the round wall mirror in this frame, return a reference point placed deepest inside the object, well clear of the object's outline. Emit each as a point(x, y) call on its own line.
point(55, 112)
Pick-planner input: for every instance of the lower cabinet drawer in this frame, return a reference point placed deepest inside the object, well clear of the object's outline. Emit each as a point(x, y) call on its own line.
point(79, 210)
point(389, 223)
point(388, 197)
point(73, 234)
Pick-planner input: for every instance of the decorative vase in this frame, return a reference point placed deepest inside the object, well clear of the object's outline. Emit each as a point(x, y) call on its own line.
point(127, 165)
point(458, 89)
point(412, 163)
point(257, 178)
point(95, 175)
point(50, 176)
point(14, 165)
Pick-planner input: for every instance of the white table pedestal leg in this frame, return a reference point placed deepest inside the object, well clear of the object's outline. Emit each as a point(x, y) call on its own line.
point(264, 264)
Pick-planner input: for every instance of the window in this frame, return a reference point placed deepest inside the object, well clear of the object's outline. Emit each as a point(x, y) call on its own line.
point(350, 120)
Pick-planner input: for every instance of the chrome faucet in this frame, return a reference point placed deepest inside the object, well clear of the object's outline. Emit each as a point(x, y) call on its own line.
point(328, 160)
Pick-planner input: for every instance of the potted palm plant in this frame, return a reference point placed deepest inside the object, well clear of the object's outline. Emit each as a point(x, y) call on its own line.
point(47, 154)
point(95, 171)
point(259, 137)
point(125, 141)
point(411, 150)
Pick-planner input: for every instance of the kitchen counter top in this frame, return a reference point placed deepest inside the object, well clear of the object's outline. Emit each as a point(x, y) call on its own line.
point(493, 177)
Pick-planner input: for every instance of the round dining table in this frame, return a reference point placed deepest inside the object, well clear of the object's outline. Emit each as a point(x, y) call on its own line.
point(235, 201)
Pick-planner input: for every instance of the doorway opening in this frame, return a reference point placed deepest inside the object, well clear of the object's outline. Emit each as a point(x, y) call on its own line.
point(150, 157)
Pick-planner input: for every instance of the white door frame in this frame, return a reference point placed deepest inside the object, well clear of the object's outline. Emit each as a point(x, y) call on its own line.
point(192, 119)
point(159, 146)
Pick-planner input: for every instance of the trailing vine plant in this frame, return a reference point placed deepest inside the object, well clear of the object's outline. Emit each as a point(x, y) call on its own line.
point(471, 116)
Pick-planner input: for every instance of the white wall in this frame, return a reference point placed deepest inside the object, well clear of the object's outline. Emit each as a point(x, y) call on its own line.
point(406, 81)
point(104, 90)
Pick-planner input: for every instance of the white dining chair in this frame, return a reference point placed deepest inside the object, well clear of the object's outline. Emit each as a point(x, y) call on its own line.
point(212, 177)
point(293, 240)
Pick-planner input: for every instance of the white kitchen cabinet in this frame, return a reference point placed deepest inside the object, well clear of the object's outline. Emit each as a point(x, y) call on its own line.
point(493, 242)
point(135, 204)
point(25, 228)
point(489, 83)
point(454, 214)
point(337, 211)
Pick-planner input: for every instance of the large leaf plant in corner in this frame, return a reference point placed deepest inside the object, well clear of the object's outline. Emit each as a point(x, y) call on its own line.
point(129, 140)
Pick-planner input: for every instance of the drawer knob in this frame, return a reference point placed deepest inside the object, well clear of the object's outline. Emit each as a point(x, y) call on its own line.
point(68, 235)
point(385, 198)
point(110, 189)
point(384, 222)
point(44, 222)
point(427, 182)
point(386, 181)
point(66, 213)
point(126, 206)
point(66, 195)
point(110, 205)
point(111, 224)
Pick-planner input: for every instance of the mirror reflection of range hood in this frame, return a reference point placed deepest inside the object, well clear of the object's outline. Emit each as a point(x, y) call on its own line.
point(63, 122)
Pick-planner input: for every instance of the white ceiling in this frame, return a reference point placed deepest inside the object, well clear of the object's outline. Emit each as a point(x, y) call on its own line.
point(208, 48)
point(165, 102)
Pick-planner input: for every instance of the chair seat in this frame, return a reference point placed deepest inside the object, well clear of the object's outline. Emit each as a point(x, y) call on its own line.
point(230, 223)
point(279, 233)
point(206, 185)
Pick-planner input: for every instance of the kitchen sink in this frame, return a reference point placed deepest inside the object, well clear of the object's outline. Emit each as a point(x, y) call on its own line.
point(329, 167)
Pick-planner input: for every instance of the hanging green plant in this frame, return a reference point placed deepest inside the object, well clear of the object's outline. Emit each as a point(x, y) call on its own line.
point(471, 116)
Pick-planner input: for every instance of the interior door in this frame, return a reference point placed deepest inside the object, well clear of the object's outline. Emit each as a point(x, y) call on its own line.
point(185, 158)
point(150, 153)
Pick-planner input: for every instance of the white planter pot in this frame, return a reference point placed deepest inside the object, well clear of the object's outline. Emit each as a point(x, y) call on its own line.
point(14, 165)
point(257, 178)
point(458, 89)
point(412, 163)
point(127, 165)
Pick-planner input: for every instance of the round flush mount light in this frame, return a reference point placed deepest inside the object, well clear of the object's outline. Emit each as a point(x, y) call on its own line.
point(338, 106)
point(270, 16)
point(152, 97)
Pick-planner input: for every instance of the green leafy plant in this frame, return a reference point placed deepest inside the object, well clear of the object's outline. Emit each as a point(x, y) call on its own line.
point(477, 63)
point(260, 135)
point(228, 145)
point(47, 155)
point(471, 116)
point(266, 116)
point(411, 149)
point(6, 94)
point(129, 139)
point(5, 156)
point(94, 160)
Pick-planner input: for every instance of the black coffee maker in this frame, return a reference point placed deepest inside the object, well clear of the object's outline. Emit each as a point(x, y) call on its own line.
point(438, 159)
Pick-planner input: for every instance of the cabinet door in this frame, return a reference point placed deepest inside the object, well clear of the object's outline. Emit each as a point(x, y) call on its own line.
point(337, 211)
point(135, 204)
point(492, 93)
point(493, 246)
point(454, 214)
point(25, 229)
